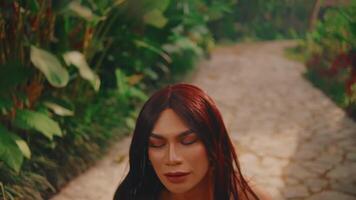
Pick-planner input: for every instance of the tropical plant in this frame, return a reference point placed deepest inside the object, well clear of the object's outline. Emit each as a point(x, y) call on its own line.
point(72, 72)
point(331, 54)
point(272, 19)
point(27, 69)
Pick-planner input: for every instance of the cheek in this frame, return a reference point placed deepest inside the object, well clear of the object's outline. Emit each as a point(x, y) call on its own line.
point(198, 158)
point(156, 158)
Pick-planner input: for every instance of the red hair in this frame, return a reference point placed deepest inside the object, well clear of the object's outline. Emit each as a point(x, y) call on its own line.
point(201, 114)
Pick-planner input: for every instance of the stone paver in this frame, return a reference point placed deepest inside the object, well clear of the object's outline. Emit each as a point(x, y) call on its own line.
point(290, 138)
point(100, 181)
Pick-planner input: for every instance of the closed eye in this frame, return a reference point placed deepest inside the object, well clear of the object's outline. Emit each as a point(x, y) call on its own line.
point(189, 139)
point(156, 143)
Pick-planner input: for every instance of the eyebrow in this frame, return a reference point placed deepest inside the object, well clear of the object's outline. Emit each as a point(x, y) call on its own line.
point(180, 135)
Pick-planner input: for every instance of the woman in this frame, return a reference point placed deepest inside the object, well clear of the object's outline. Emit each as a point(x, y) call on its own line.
point(181, 150)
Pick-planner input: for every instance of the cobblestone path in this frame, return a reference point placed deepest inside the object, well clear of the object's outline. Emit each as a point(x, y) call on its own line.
point(291, 139)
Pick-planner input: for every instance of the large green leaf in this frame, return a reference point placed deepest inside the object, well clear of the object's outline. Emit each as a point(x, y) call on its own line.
point(137, 93)
point(119, 2)
point(23, 146)
point(151, 74)
point(82, 11)
point(28, 119)
point(50, 66)
point(5, 104)
point(10, 152)
point(78, 60)
point(186, 44)
point(155, 18)
point(128, 91)
point(121, 81)
point(160, 5)
point(143, 44)
point(58, 109)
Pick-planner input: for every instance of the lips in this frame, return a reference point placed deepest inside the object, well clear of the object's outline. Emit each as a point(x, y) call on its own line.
point(176, 177)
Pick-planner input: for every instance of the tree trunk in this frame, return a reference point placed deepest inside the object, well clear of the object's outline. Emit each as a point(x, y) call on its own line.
point(314, 15)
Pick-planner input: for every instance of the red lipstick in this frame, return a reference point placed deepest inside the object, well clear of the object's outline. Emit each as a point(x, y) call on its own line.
point(176, 177)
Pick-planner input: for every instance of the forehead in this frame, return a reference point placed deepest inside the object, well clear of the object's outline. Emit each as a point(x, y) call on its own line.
point(169, 124)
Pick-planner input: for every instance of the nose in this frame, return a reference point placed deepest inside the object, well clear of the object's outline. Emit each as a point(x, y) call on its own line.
point(173, 156)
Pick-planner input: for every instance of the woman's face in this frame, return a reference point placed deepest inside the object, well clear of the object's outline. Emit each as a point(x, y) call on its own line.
point(178, 156)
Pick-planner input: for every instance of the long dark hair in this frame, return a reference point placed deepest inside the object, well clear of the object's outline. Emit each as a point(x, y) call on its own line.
point(200, 113)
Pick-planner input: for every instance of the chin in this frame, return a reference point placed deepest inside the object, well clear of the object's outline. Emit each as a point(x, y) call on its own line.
point(178, 189)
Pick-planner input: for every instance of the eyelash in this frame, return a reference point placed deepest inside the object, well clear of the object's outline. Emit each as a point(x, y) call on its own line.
point(153, 146)
point(184, 143)
point(190, 141)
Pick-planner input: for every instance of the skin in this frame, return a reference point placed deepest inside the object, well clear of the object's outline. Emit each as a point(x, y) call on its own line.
point(174, 148)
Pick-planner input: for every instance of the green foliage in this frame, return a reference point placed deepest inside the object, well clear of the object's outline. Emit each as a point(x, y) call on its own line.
point(58, 109)
point(272, 19)
point(79, 70)
point(155, 18)
point(50, 66)
point(10, 152)
point(127, 92)
point(12, 74)
point(335, 33)
point(78, 60)
point(334, 89)
point(28, 120)
point(330, 53)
